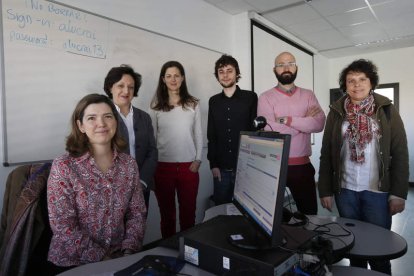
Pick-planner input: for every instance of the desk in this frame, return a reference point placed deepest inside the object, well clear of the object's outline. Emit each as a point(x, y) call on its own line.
point(107, 268)
point(340, 245)
point(341, 236)
point(369, 241)
point(223, 209)
point(354, 271)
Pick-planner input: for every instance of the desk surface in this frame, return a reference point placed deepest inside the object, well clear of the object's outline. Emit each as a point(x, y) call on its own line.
point(367, 239)
point(341, 236)
point(107, 268)
point(354, 271)
point(340, 244)
point(371, 241)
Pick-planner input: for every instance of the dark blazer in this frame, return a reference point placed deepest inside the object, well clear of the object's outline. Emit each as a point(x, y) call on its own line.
point(146, 153)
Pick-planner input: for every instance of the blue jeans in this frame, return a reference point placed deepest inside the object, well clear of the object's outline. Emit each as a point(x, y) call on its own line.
point(223, 190)
point(369, 207)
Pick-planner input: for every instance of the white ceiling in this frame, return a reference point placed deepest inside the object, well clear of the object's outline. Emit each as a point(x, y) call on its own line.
point(336, 28)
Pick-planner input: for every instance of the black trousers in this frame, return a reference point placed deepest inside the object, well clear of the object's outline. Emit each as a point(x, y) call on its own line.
point(301, 182)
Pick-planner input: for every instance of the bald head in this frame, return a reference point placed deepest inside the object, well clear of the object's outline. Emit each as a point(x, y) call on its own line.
point(285, 69)
point(284, 57)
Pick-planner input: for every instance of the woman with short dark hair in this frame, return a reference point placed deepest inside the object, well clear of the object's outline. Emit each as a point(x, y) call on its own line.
point(121, 85)
point(364, 155)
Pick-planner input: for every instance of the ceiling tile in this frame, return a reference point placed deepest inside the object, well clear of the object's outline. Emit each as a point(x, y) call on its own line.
point(368, 39)
point(267, 5)
point(350, 18)
point(293, 15)
point(308, 27)
point(400, 26)
point(330, 7)
point(326, 40)
point(361, 30)
point(391, 10)
point(336, 24)
point(214, 2)
point(234, 6)
point(402, 43)
point(381, 2)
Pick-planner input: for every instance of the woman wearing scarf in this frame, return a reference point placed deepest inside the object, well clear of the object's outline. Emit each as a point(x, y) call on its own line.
point(364, 155)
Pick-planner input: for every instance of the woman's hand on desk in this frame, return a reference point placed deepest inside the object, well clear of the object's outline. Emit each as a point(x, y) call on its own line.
point(326, 202)
point(397, 205)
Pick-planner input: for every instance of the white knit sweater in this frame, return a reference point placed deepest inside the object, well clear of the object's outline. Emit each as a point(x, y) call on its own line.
point(178, 134)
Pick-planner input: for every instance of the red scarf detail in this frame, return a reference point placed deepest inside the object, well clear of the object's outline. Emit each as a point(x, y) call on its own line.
point(362, 128)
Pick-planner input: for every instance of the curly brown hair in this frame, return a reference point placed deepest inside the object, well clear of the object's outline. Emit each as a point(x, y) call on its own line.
point(360, 66)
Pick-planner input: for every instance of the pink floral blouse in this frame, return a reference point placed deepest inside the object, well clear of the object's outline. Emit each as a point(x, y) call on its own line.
point(93, 213)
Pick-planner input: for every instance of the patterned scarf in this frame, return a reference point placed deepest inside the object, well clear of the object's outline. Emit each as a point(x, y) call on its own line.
point(362, 128)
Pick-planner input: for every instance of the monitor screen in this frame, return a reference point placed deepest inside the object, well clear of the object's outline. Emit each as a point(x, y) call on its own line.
point(261, 180)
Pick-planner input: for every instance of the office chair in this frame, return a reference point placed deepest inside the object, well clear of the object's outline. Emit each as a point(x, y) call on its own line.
point(25, 232)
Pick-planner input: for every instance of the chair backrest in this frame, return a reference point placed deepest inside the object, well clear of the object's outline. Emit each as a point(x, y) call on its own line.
point(25, 225)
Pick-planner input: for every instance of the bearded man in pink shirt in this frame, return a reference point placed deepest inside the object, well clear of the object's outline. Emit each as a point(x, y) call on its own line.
point(293, 110)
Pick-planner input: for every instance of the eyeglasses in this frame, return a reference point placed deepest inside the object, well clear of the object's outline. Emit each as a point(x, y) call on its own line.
point(283, 65)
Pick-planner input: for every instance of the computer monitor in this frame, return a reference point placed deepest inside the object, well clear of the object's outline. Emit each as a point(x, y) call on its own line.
point(259, 187)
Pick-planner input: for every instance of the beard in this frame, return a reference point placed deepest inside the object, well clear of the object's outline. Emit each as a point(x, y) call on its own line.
point(227, 85)
point(286, 77)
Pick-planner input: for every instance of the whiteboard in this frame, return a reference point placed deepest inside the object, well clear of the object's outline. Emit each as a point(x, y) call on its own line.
point(266, 45)
point(54, 55)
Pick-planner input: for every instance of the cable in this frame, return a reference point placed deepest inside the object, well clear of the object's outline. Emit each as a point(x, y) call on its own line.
point(270, 127)
point(327, 232)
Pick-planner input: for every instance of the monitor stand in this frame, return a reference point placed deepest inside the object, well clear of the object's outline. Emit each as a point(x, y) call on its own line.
point(252, 239)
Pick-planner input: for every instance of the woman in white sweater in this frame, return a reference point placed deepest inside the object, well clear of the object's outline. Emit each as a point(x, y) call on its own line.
point(177, 125)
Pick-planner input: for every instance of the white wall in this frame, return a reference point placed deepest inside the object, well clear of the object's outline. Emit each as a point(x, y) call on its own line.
point(241, 42)
point(321, 89)
point(393, 66)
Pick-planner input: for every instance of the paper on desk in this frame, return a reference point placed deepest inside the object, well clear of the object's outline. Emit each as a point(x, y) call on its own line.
point(232, 210)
